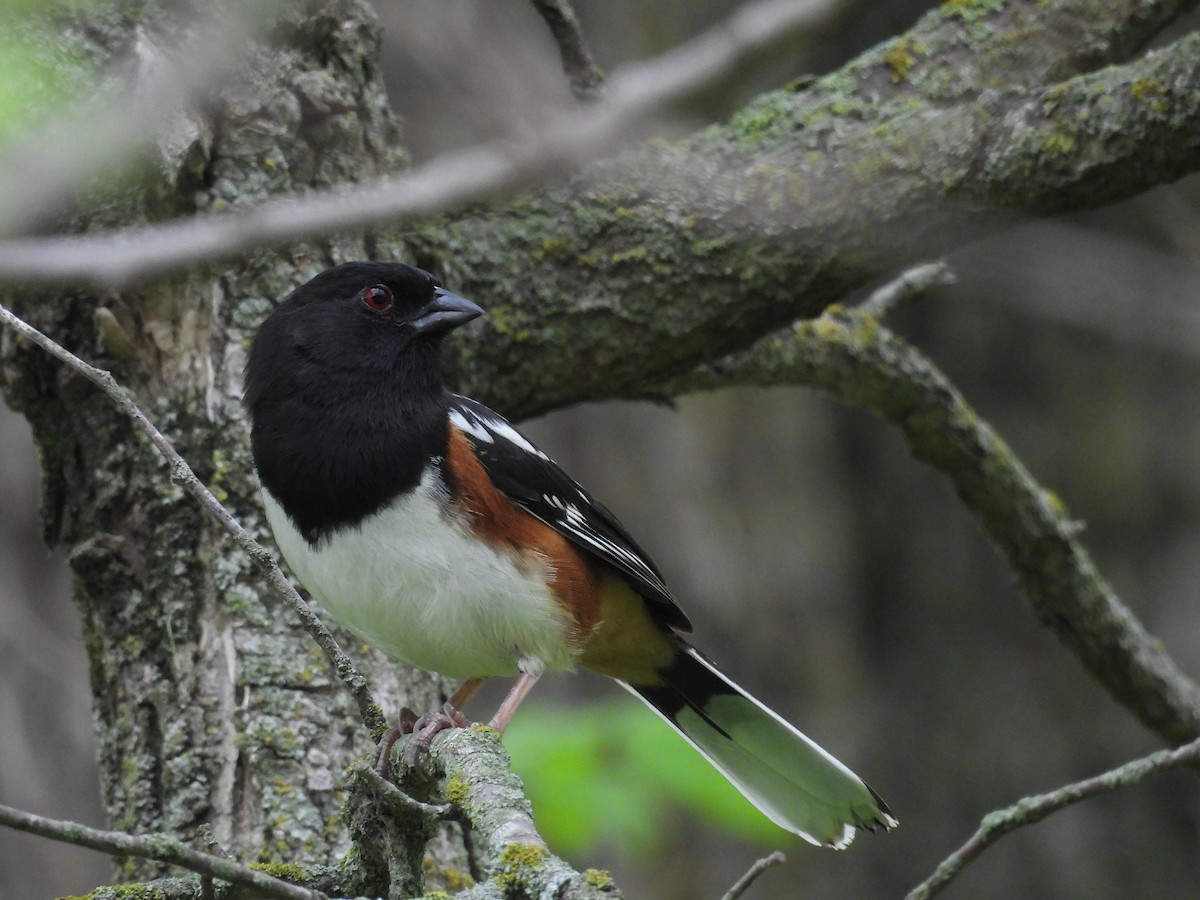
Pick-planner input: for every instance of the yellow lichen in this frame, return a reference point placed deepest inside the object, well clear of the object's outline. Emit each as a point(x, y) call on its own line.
point(1059, 144)
point(598, 878)
point(900, 57)
point(514, 859)
point(283, 871)
point(636, 254)
point(457, 790)
point(1146, 87)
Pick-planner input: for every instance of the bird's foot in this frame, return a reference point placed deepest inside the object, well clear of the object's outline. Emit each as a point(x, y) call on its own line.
point(409, 723)
point(423, 729)
point(429, 726)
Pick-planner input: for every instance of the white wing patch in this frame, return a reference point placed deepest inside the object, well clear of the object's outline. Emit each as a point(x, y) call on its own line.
point(487, 428)
point(471, 426)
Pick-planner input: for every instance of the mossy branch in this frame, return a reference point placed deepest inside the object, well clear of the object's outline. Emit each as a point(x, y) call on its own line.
point(803, 197)
point(474, 773)
point(853, 356)
point(896, 150)
point(468, 767)
point(464, 777)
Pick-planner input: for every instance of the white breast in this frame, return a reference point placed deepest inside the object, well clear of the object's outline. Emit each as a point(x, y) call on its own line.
point(413, 582)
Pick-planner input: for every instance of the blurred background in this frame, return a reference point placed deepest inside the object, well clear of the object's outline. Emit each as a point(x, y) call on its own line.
point(824, 569)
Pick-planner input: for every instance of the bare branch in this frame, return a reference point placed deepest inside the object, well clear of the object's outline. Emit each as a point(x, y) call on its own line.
point(853, 356)
point(911, 283)
point(743, 884)
point(182, 474)
point(586, 79)
point(160, 847)
point(1033, 809)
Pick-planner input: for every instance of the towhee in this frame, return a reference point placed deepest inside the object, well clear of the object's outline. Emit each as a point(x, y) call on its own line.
point(430, 527)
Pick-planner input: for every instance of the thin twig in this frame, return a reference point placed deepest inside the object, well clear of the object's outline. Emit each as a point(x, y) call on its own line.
point(161, 847)
point(397, 798)
point(912, 282)
point(585, 78)
point(740, 886)
point(1033, 809)
point(182, 474)
point(636, 93)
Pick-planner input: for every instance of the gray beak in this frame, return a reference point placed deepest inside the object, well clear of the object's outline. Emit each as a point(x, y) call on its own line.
point(444, 313)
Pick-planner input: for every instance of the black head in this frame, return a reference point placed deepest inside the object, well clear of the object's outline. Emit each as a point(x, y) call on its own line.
point(344, 389)
point(355, 324)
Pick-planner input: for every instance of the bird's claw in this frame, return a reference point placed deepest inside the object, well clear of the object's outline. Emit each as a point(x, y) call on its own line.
point(429, 726)
point(423, 729)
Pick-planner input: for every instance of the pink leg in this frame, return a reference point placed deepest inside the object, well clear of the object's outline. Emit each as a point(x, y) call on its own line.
point(468, 689)
point(523, 685)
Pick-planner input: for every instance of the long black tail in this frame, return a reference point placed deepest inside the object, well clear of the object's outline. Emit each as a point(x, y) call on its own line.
point(787, 776)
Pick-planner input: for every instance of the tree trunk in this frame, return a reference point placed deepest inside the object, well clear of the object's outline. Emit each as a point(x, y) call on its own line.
point(213, 705)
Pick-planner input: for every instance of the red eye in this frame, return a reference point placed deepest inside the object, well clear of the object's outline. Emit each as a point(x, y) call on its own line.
point(377, 298)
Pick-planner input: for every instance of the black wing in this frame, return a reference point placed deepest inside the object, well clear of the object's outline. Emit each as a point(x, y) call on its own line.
point(533, 481)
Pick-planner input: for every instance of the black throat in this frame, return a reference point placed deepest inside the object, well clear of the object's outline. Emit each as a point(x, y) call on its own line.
point(333, 457)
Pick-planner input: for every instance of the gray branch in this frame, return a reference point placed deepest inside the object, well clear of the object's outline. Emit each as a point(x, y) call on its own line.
point(637, 94)
point(933, 165)
point(743, 884)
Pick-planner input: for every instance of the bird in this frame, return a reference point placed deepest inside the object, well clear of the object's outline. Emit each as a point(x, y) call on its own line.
point(428, 526)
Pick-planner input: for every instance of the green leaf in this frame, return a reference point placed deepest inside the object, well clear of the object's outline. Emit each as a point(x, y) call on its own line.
point(613, 773)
